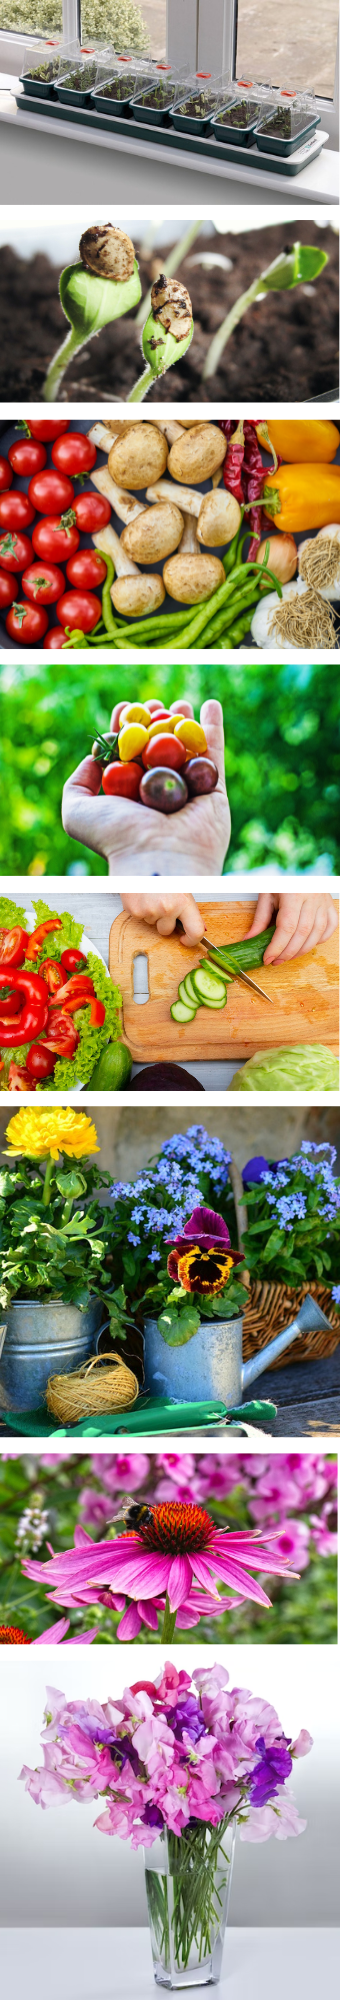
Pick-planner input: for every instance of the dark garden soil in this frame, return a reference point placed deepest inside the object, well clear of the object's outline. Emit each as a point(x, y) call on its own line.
point(285, 348)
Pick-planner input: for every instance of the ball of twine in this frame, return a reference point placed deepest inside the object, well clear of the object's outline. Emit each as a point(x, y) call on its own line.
point(83, 1394)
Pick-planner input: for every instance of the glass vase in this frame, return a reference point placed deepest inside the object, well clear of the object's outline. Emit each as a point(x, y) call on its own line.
point(188, 1880)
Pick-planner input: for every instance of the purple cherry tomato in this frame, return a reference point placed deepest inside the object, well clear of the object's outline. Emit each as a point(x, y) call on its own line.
point(201, 776)
point(163, 789)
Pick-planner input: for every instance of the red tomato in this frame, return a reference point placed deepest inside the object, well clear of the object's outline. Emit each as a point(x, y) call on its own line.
point(79, 609)
point(50, 971)
point(72, 958)
point(74, 453)
point(164, 750)
point(13, 946)
point(61, 1034)
point(92, 512)
point(26, 457)
point(27, 623)
point(16, 510)
point(46, 429)
point(6, 475)
point(50, 492)
point(15, 551)
point(121, 781)
point(56, 538)
point(7, 590)
point(40, 1061)
point(42, 583)
point(86, 569)
point(54, 640)
point(19, 1078)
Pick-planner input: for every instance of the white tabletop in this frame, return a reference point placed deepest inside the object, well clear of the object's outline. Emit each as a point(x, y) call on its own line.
point(116, 1964)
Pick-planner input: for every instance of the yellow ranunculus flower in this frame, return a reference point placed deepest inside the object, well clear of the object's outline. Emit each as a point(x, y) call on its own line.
point(36, 1134)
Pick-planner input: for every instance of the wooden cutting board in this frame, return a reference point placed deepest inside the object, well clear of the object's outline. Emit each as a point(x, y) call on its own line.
point(305, 992)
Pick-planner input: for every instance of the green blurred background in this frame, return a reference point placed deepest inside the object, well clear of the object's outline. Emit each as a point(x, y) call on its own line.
point(282, 754)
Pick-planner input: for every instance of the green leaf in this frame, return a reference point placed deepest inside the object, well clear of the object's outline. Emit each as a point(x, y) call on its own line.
point(70, 1183)
point(300, 265)
point(89, 302)
point(178, 1328)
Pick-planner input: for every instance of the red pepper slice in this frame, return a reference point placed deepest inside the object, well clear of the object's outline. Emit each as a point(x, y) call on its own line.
point(76, 992)
point(34, 1010)
point(13, 945)
point(97, 1014)
point(37, 939)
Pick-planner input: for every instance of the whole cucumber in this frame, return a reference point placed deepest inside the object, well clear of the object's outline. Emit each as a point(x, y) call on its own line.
point(247, 953)
point(113, 1069)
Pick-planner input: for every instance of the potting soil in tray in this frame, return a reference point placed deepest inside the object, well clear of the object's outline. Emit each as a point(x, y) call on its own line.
point(116, 94)
point(284, 129)
point(40, 82)
point(237, 122)
point(154, 106)
point(77, 85)
point(193, 114)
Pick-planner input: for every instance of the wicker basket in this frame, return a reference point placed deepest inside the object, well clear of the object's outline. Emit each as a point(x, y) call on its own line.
point(272, 1307)
point(83, 1394)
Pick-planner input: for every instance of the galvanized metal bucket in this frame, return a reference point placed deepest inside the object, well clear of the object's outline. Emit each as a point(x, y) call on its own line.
point(43, 1340)
point(210, 1366)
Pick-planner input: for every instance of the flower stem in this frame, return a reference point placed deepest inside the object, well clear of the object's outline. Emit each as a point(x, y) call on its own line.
point(170, 266)
point(227, 328)
point(47, 1181)
point(57, 368)
point(141, 388)
point(169, 1622)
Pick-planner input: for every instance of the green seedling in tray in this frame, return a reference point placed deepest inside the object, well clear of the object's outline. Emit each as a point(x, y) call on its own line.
point(207, 985)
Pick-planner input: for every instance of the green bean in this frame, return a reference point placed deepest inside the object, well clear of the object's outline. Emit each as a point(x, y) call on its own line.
point(220, 597)
point(107, 612)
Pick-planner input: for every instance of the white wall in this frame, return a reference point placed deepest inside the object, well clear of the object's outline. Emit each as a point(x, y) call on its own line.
point(54, 1869)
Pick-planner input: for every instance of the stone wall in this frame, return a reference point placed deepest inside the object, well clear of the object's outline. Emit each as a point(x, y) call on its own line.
point(130, 1135)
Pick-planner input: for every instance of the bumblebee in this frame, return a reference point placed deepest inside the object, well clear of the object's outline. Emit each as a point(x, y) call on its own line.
point(135, 1513)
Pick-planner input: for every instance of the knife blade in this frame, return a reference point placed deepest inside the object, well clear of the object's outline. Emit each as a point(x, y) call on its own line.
point(244, 976)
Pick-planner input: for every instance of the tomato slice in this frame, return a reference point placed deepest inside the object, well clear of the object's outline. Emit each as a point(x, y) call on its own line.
point(13, 945)
point(50, 971)
point(19, 1077)
point(61, 1034)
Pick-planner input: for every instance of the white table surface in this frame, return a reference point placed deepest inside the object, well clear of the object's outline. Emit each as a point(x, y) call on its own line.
point(318, 182)
point(116, 1965)
point(96, 912)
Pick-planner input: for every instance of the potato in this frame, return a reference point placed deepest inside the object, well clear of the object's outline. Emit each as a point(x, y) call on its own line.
point(154, 534)
point(191, 579)
point(219, 518)
point(136, 595)
point(197, 454)
point(140, 456)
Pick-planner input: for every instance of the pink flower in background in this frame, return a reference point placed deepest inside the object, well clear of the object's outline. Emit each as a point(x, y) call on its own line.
point(323, 1528)
point(292, 1542)
point(176, 1551)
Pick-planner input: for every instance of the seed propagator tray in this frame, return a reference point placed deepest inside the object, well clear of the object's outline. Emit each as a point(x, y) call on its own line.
point(205, 147)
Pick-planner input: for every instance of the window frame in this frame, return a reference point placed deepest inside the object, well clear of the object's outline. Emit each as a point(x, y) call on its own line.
point(198, 35)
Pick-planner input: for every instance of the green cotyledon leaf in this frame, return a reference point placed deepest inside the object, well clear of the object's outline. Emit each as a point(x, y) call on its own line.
point(90, 303)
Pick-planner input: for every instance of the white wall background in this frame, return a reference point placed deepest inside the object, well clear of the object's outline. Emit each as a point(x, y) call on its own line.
point(54, 1869)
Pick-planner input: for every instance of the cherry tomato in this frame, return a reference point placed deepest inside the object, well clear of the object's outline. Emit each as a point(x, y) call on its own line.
point(54, 640)
point(79, 609)
point(61, 1034)
point(27, 457)
point(50, 492)
point(121, 781)
point(72, 958)
point(46, 429)
point(13, 946)
point(201, 775)
point(56, 538)
point(156, 709)
point(74, 453)
point(50, 971)
point(92, 512)
point(164, 790)
point(6, 476)
point(16, 510)
point(15, 551)
point(42, 583)
point(40, 1061)
point(86, 569)
point(131, 741)
point(164, 750)
point(134, 712)
point(27, 623)
point(7, 590)
point(191, 734)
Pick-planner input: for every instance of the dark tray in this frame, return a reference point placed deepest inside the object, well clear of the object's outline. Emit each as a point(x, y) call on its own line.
point(269, 142)
point(204, 147)
point(235, 135)
point(68, 96)
point(34, 87)
point(184, 121)
point(151, 114)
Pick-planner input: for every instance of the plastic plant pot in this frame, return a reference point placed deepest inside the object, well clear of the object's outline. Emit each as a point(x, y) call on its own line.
point(114, 93)
point(237, 121)
point(194, 112)
point(285, 128)
point(40, 82)
point(77, 85)
point(154, 105)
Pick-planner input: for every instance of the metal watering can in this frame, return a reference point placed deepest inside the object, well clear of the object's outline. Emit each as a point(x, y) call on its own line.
point(210, 1366)
point(42, 1340)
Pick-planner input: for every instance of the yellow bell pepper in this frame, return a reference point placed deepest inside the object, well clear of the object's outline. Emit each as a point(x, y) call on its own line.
point(302, 496)
point(300, 443)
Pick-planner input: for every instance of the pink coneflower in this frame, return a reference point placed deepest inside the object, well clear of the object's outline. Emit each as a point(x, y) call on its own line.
point(175, 1562)
point(12, 1635)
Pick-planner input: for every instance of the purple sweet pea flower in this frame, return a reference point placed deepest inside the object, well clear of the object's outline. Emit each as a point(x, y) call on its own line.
point(275, 1764)
point(186, 1715)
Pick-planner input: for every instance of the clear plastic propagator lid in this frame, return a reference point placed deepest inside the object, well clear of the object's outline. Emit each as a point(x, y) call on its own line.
point(199, 95)
point(243, 102)
point(289, 111)
point(127, 73)
point(163, 83)
point(44, 59)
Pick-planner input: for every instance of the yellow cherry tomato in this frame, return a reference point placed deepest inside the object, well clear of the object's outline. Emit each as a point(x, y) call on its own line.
point(134, 712)
point(167, 727)
point(192, 734)
point(132, 739)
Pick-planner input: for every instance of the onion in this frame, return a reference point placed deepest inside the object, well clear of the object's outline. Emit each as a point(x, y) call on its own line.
point(283, 555)
point(262, 617)
point(327, 581)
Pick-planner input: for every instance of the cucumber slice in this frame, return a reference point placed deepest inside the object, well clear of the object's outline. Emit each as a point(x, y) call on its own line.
point(181, 1013)
point(217, 970)
point(215, 1005)
point(208, 987)
point(188, 999)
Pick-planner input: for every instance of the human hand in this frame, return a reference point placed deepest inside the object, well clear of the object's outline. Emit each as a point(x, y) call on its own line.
point(163, 912)
point(302, 921)
point(135, 839)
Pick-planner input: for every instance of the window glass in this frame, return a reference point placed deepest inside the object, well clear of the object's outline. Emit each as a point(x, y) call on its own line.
point(136, 24)
point(292, 45)
point(31, 17)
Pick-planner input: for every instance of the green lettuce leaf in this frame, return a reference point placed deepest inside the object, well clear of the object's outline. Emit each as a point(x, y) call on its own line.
point(10, 914)
point(299, 1068)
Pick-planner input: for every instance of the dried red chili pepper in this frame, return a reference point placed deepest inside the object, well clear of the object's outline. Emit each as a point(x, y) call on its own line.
point(233, 463)
point(253, 478)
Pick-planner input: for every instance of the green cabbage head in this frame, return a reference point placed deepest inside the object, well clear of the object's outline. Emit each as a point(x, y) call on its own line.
point(299, 1068)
